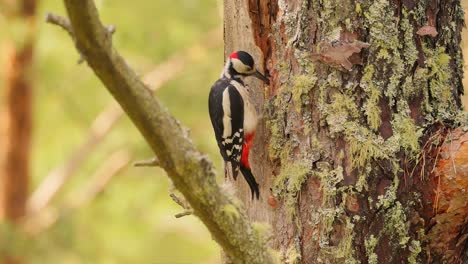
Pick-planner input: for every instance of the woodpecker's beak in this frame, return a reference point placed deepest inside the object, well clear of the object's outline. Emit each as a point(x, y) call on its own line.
point(261, 77)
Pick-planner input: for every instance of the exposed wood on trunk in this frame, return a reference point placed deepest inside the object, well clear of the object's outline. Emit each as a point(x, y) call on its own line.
point(448, 232)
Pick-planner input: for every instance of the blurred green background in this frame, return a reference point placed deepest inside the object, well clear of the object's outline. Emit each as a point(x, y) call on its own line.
point(132, 221)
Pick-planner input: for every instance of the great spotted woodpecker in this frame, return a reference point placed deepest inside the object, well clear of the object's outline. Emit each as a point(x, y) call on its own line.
point(234, 117)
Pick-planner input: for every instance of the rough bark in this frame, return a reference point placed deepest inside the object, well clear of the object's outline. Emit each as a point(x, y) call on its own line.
point(190, 171)
point(361, 100)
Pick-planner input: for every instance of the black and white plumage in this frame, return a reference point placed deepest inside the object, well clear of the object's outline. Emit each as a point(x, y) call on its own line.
point(233, 116)
point(227, 121)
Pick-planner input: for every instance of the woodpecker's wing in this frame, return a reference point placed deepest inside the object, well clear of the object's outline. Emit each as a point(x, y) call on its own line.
point(227, 114)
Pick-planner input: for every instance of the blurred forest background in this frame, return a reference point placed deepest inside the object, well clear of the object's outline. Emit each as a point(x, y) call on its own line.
point(177, 46)
point(108, 211)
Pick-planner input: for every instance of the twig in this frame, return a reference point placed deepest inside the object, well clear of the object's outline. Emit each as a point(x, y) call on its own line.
point(180, 201)
point(184, 213)
point(65, 24)
point(153, 162)
point(60, 21)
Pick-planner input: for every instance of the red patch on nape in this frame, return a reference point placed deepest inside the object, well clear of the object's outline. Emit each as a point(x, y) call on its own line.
point(233, 55)
point(248, 141)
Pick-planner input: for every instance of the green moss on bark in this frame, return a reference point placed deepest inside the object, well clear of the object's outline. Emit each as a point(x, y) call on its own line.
point(441, 103)
point(293, 254)
point(415, 249)
point(371, 106)
point(302, 84)
point(288, 183)
point(370, 244)
point(399, 69)
point(408, 133)
point(396, 224)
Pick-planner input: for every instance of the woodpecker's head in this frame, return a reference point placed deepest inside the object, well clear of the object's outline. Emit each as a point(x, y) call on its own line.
point(241, 64)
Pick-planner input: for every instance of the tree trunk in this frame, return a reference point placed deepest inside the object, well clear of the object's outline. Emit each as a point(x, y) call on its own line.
point(16, 115)
point(355, 151)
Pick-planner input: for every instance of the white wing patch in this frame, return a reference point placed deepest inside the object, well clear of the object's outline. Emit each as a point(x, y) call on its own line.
point(250, 113)
point(227, 115)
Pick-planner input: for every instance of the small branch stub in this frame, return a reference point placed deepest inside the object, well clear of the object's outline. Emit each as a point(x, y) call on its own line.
point(65, 24)
point(61, 22)
point(153, 162)
point(180, 201)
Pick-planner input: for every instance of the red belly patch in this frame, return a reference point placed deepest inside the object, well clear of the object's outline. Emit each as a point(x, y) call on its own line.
point(248, 141)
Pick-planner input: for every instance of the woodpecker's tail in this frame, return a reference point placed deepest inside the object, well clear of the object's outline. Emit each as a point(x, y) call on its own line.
point(248, 176)
point(234, 169)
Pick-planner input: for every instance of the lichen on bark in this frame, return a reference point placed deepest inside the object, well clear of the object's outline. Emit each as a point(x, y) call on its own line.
point(352, 138)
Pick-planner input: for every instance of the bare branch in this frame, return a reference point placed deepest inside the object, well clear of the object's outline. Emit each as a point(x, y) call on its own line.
point(190, 171)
